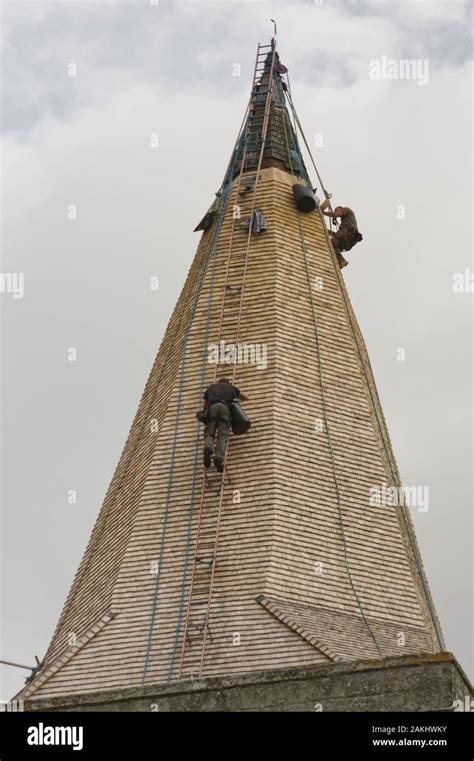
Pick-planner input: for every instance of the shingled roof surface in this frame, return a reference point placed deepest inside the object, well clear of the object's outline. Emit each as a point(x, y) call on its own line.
point(307, 570)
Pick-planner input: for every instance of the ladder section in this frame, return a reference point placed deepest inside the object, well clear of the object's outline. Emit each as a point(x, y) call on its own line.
point(245, 199)
point(197, 630)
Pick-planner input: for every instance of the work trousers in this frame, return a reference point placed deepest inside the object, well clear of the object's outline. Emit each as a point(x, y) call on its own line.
point(218, 420)
point(343, 240)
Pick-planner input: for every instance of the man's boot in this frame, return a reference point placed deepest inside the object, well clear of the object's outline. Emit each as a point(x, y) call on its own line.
point(342, 262)
point(219, 464)
point(207, 457)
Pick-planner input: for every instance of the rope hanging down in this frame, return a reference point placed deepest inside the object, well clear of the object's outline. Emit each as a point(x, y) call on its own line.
point(128, 462)
point(388, 454)
point(325, 414)
point(247, 168)
point(211, 251)
point(225, 189)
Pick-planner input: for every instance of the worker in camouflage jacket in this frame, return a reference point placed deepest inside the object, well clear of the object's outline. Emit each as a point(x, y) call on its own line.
point(348, 233)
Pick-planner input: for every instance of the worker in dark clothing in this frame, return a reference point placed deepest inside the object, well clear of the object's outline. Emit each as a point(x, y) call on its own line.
point(347, 235)
point(218, 398)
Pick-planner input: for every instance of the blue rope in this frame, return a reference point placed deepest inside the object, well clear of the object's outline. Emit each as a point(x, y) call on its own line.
point(219, 222)
point(374, 398)
point(328, 430)
point(230, 178)
point(211, 251)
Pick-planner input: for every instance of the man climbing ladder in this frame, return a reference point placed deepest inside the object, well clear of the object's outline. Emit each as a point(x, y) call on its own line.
point(348, 234)
point(218, 398)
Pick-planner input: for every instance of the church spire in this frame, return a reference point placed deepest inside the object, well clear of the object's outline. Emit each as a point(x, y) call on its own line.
point(290, 562)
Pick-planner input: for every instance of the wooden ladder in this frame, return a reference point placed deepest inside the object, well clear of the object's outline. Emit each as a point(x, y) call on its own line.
point(197, 630)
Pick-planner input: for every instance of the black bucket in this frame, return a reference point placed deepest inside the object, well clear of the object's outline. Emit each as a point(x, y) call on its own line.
point(240, 421)
point(305, 199)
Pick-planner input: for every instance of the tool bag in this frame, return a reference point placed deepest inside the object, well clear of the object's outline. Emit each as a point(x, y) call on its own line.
point(240, 421)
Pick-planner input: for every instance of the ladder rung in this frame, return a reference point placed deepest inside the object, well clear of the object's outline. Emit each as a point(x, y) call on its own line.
point(212, 483)
point(200, 625)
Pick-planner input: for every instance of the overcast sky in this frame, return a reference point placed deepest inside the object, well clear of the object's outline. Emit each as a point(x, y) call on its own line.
point(397, 151)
